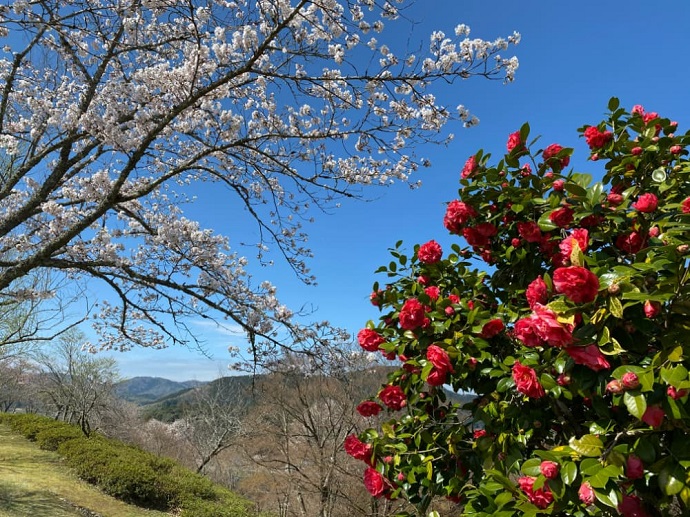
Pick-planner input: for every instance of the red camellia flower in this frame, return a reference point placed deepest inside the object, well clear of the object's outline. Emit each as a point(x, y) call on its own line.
point(541, 498)
point(432, 292)
point(597, 139)
point(653, 416)
point(437, 377)
point(368, 408)
point(358, 449)
point(439, 358)
point(646, 203)
point(530, 231)
point(537, 292)
point(675, 394)
point(370, 340)
point(614, 199)
point(549, 469)
point(526, 332)
point(479, 433)
point(562, 217)
point(630, 381)
point(634, 468)
point(412, 315)
point(577, 283)
point(630, 242)
point(685, 206)
point(374, 482)
point(475, 238)
point(550, 329)
point(492, 328)
point(526, 381)
point(615, 386)
point(552, 151)
point(457, 216)
point(579, 236)
point(651, 309)
point(469, 167)
point(631, 506)
point(589, 356)
point(393, 397)
point(430, 252)
point(586, 493)
point(514, 141)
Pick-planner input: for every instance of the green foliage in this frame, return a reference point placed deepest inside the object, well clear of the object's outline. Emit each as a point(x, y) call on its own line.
point(129, 473)
point(574, 343)
point(51, 438)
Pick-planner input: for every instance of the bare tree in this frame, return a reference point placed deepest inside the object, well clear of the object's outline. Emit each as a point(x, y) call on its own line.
point(75, 385)
point(212, 420)
point(17, 377)
point(298, 433)
point(111, 109)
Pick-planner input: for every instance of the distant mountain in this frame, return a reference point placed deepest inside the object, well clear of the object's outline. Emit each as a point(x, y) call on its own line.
point(225, 390)
point(144, 390)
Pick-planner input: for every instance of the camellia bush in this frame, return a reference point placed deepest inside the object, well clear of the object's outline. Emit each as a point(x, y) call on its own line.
point(573, 343)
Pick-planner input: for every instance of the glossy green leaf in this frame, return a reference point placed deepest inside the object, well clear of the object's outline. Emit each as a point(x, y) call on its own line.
point(588, 445)
point(636, 403)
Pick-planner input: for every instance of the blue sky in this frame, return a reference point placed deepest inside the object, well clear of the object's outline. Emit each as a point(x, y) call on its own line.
point(573, 57)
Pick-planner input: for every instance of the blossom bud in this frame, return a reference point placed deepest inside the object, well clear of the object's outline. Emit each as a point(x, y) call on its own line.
point(654, 231)
point(449, 311)
point(675, 149)
point(515, 243)
point(549, 469)
point(675, 394)
point(634, 468)
point(472, 363)
point(586, 493)
point(558, 185)
point(636, 151)
point(614, 289)
point(614, 386)
point(594, 157)
point(683, 249)
point(651, 309)
point(563, 379)
point(630, 381)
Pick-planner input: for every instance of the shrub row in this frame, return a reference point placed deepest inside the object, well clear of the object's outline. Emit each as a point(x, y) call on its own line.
point(129, 473)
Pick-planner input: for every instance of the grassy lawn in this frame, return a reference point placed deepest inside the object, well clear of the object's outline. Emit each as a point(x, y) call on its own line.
point(34, 483)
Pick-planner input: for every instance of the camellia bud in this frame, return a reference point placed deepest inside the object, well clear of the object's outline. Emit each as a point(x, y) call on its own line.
point(563, 379)
point(549, 469)
point(614, 289)
point(630, 381)
point(683, 249)
point(652, 309)
point(675, 394)
point(614, 386)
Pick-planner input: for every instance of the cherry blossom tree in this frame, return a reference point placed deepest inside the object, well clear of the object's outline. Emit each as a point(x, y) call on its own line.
point(114, 112)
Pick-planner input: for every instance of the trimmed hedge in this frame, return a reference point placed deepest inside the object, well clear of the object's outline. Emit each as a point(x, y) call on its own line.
point(129, 473)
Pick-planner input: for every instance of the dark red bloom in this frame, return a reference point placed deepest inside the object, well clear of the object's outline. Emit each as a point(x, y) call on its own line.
point(457, 216)
point(577, 283)
point(430, 252)
point(368, 408)
point(595, 138)
point(526, 381)
point(393, 397)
